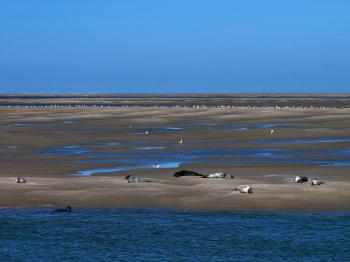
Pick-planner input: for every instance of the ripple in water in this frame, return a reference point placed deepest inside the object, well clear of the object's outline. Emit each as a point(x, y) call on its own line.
point(172, 235)
point(304, 141)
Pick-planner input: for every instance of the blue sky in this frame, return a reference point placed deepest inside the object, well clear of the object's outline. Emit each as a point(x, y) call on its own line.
point(174, 46)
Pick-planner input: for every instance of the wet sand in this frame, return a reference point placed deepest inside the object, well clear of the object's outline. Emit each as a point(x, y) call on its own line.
point(51, 181)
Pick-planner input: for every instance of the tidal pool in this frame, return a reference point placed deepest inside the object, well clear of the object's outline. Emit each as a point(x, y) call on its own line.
point(66, 150)
point(304, 141)
point(58, 122)
point(149, 147)
point(243, 126)
point(90, 172)
point(136, 158)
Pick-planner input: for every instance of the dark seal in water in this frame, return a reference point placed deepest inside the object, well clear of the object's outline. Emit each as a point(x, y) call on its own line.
point(67, 209)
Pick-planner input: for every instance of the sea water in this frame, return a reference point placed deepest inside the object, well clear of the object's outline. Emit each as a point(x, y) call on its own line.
point(173, 235)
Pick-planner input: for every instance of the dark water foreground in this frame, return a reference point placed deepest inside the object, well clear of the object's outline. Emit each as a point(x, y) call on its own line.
point(173, 235)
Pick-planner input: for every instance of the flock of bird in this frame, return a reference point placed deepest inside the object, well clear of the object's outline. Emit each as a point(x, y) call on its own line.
point(169, 106)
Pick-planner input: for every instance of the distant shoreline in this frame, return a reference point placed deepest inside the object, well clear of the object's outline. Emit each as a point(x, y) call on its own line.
point(173, 95)
point(184, 209)
point(164, 106)
point(261, 100)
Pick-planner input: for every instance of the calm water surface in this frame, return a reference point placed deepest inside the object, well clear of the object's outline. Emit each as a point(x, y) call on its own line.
point(173, 235)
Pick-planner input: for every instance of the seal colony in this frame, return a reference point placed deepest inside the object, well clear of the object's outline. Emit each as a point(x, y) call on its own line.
point(234, 181)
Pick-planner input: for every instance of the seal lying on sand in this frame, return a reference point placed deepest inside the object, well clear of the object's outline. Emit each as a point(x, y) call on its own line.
point(67, 209)
point(186, 173)
point(20, 180)
point(300, 179)
point(219, 175)
point(192, 173)
point(244, 189)
point(134, 179)
point(316, 182)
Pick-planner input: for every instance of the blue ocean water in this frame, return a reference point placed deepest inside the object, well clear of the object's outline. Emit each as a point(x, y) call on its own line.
point(173, 235)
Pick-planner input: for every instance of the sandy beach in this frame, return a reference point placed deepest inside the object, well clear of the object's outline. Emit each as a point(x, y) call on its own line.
point(30, 136)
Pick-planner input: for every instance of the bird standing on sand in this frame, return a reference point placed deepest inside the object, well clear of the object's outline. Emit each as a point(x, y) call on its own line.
point(180, 142)
point(271, 132)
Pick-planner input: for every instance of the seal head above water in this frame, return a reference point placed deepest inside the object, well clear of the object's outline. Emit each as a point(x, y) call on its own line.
point(67, 209)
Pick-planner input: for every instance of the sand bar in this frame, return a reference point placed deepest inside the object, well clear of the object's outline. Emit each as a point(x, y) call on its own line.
point(28, 133)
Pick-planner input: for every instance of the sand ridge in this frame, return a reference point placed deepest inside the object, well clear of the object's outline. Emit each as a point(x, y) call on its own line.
point(50, 179)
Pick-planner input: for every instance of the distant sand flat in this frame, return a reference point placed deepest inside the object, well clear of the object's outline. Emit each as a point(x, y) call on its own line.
point(23, 152)
point(337, 100)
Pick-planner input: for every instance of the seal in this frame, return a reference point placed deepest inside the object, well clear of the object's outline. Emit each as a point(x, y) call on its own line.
point(316, 182)
point(134, 179)
point(186, 173)
point(20, 180)
point(219, 175)
point(300, 179)
point(244, 189)
point(67, 209)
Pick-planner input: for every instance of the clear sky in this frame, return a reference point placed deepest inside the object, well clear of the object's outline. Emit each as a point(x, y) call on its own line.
point(174, 46)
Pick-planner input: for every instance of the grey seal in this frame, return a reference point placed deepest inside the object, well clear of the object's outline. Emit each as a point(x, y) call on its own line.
point(219, 175)
point(244, 189)
point(316, 182)
point(67, 209)
point(300, 179)
point(134, 179)
point(20, 180)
